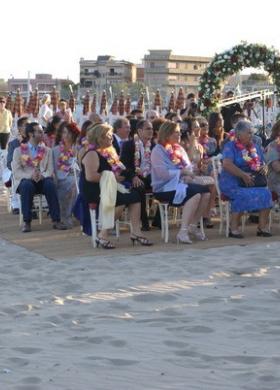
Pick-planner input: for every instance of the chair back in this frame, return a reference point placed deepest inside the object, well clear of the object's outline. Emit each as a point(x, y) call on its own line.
point(76, 170)
point(217, 168)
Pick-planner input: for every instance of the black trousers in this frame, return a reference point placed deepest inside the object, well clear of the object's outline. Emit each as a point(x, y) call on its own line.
point(4, 137)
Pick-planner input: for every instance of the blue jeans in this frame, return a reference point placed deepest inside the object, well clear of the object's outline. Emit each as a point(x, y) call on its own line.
point(28, 188)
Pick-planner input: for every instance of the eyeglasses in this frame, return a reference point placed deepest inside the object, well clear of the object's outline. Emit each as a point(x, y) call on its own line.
point(1, 101)
point(204, 125)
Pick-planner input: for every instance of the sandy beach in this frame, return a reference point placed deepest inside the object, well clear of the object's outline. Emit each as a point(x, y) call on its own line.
point(194, 319)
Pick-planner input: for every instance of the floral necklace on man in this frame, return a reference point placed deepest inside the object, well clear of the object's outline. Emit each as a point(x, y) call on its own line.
point(112, 158)
point(249, 155)
point(176, 155)
point(27, 160)
point(147, 157)
point(65, 157)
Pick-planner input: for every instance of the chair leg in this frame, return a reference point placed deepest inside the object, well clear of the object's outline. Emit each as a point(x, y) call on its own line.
point(40, 209)
point(93, 227)
point(117, 229)
point(161, 212)
point(166, 230)
point(227, 219)
point(202, 227)
point(221, 218)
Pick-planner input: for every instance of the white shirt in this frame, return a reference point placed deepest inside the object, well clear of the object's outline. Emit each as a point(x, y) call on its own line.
point(44, 112)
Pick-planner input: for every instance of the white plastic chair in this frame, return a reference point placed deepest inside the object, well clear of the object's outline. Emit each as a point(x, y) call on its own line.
point(172, 218)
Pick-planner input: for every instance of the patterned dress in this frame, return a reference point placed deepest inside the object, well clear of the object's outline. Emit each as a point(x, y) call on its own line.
point(242, 198)
point(66, 189)
point(273, 154)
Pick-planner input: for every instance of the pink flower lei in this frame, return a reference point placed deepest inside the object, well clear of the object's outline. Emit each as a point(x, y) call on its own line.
point(175, 153)
point(64, 163)
point(137, 155)
point(249, 155)
point(112, 158)
point(28, 160)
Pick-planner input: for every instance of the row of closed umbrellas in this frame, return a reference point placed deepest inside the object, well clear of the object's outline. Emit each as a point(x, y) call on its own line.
point(120, 105)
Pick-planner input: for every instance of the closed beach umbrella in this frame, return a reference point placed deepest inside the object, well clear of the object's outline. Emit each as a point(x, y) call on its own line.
point(171, 105)
point(114, 107)
point(54, 99)
point(86, 104)
point(127, 106)
point(140, 104)
point(103, 103)
point(36, 104)
point(18, 106)
point(72, 100)
point(29, 107)
point(9, 102)
point(157, 101)
point(121, 104)
point(93, 104)
point(180, 101)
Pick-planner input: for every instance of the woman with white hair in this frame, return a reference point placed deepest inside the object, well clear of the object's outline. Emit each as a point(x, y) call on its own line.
point(45, 112)
point(243, 180)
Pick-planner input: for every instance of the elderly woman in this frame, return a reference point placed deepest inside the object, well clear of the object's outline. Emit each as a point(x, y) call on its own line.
point(171, 170)
point(272, 157)
point(64, 157)
point(99, 157)
point(243, 180)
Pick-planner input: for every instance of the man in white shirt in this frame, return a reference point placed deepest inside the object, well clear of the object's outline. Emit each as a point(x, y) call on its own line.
point(6, 121)
point(45, 112)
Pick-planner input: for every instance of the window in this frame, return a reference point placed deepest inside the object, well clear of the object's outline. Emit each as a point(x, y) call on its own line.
point(195, 67)
point(152, 64)
point(112, 72)
point(86, 70)
point(172, 65)
point(88, 84)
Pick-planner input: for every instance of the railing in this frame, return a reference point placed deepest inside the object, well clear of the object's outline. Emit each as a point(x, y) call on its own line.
point(246, 96)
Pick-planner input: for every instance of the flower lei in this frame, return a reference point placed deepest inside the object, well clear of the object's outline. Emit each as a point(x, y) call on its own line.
point(249, 155)
point(112, 158)
point(176, 156)
point(28, 160)
point(231, 135)
point(137, 156)
point(64, 163)
point(86, 145)
point(204, 143)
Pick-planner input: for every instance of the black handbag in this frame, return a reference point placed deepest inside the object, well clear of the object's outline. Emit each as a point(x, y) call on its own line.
point(260, 180)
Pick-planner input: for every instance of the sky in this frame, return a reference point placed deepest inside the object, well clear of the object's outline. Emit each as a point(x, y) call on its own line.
point(50, 36)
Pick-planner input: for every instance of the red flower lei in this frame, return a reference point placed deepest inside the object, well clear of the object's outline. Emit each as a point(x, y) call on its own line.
point(28, 160)
point(249, 155)
point(112, 158)
point(137, 155)
point(176, 155)
point(64, 163)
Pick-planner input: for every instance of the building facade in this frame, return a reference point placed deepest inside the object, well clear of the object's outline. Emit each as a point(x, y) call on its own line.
point(96, 75)
point(166, 71)
point(44, 82)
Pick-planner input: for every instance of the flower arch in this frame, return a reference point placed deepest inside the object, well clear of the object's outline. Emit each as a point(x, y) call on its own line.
point(230, 62)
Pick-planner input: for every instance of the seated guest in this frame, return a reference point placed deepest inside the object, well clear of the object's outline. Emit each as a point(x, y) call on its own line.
point(242, 160)
point(209, 144)
point(136, 156)
point(272, 157)
point(156, 125)
point(171, 167)
point(64, 157)
point(64, 113)
point(99, 158)
point(15, 143)
point(32, 167)
point(216, 129)
point(121, 133)
point(51, 131)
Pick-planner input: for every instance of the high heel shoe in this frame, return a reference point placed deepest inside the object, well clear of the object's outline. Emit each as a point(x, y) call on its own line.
point(105, 244)
point(197, 233)
point(141, 240)
point(183, 237)
point(263, 233)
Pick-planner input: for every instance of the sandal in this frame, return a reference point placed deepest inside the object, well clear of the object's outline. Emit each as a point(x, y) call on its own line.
point(142, 240)
point(183, 237)
point(105, 244)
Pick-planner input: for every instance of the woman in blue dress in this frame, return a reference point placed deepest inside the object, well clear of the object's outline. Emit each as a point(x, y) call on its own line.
point(242, 158)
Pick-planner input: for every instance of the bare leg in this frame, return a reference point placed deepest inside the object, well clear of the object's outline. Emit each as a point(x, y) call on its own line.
point(134, 214)
point(201, 208)
point(118, 212)
point(263, 219)
point(189, 210)
point(235, 221)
